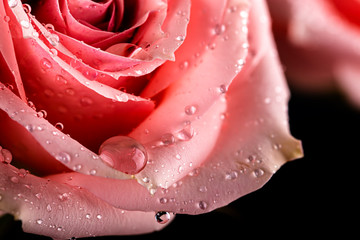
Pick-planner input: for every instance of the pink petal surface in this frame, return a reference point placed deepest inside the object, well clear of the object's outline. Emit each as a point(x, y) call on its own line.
point(319, 41)
point(89, 11)
point(8, 59)
point(215, 68)
point(253, 143)
point(42, 146)
point(62, 212)
point(55, 85)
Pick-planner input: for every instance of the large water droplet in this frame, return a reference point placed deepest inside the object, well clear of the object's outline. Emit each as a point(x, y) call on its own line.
point(124, 153)
point(162, 217)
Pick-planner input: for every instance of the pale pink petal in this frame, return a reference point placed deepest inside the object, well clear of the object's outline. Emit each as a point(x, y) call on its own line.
point(200, 86)
point(41, 145)
point(62, 212)
point(253, 143)
point(319, 41)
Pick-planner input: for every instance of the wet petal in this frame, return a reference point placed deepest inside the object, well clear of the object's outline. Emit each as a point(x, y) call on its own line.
point(63, 212)
point(253, 143)
point(9, 68)
point(41, 145)
point(201, 85)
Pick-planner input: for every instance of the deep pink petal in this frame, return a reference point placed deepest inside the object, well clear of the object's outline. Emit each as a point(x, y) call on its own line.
point(253, 143)
point(63, 212)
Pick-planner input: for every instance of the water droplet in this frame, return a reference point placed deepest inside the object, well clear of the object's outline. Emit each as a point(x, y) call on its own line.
point(180, 38)
point(191, 109)
point(186, 133)
point(12, 3)
point(14, 179)
point(49, 26)
point(258, 172)
point(6, 18)
point(87, 216)
point(63, 197)
point(41, 114)
point(163, 200)
point(22, 173)
point(162, 217)
point(218, 29)
point(146, 180)
point(59, 126)
point(99, 216)
point(63, 157)
point(39, 221)
point(5, 156)
point(184, 65)
point(86, 101)
point(92, 172)
point(45, 64)
point(124, 153)
point(54, 39)
point(48, 208)
point(25, 23)
point(27, 8)
point(231, 175)
point(61, 79)
point(203, 189)
point(222, 88)
point(167, 139)
point(202, 205)
point(38, 195)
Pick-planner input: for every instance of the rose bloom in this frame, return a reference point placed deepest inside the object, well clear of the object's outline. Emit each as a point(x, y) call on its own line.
point(116, 115)
point(318, 42)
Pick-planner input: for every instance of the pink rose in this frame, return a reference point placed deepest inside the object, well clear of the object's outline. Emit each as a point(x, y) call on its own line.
point(318, 41)
point(128, 113)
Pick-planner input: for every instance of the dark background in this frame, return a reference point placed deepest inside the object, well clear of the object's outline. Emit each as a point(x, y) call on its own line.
point(310, 197)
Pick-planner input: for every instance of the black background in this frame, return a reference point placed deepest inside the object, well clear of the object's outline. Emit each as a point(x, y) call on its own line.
point(310, 197)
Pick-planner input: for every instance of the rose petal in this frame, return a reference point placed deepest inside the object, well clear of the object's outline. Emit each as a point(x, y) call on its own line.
point(253, 143)
point(63, 212)
point(321, 40)
point(215, 68)
point(42, 146)
point(62, 85)
point(89, 11)
point(8, 59)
